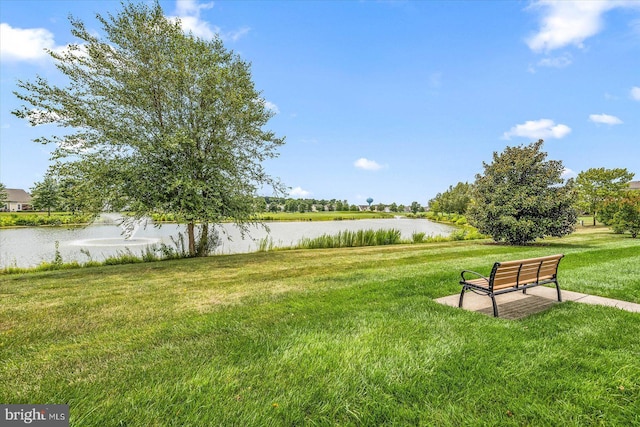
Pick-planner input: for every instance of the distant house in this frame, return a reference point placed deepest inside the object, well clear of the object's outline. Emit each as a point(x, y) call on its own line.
point(17, 200)
point(634, 185)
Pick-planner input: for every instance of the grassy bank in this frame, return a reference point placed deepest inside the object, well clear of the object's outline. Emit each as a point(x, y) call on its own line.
point(32, 219)
point(324, 337)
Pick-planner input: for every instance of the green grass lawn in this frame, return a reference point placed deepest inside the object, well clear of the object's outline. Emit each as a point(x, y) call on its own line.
point(324, 337)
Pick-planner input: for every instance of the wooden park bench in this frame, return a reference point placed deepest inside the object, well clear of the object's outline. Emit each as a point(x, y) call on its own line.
point(512, 276)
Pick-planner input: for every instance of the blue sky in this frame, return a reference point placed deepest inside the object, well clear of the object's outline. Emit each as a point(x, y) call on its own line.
point(394, 100)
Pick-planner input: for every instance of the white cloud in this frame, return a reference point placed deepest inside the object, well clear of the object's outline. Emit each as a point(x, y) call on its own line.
point(538, 129)
point(197, 27)
point(366, 164)
point(271, 106)
point(605, 119)
point(566, 23)
point(235, 35)
point(299, 192)
point(268, 105)
point(635, 93)
point(77, 50)
point(74, 144)
point(556, 62)
point(568, 173)
point(25, 44)
point(191, 7)
point(41, 117)
point(188, 11)
point(31, 44)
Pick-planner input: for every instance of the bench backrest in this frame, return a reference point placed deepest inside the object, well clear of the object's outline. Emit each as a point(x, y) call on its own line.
point(524, 271)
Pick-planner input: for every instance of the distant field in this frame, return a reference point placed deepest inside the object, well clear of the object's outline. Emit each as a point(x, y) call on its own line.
point(324, 337)
point(323, 216)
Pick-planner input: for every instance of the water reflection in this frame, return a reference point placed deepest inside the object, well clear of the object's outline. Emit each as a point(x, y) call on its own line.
point(115, 241)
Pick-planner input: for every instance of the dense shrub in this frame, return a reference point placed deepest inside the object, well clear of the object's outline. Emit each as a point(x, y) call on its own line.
point(40, 219)
point(522, 197)
point(461, 221)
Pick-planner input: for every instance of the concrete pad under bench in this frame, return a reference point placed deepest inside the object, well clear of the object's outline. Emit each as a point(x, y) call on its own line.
point(516, 305)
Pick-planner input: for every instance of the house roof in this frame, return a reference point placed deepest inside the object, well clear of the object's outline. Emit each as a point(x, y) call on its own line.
point(634, 185)
point(15, 195)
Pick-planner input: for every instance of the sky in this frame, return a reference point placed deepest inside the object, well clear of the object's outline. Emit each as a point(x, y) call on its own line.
point(393, 100)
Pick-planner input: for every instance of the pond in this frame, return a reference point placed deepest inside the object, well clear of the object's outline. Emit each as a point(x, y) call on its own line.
point(27, 247)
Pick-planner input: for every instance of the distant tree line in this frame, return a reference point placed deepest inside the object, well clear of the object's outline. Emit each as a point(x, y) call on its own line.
point(455, 200)
point(284, 204)
point(54, 194)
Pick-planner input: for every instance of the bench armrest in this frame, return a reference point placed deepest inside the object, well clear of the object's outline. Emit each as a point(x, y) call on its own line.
point(464, 279)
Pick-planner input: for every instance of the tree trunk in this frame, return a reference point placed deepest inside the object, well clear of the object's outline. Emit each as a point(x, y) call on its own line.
point(204, 240)
point(192, 239)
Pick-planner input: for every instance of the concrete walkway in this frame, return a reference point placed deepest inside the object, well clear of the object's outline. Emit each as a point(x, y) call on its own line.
point(516, 305)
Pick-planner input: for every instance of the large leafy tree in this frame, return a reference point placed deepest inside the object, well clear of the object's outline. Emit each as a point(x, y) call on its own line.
point(597, 185)
point(75, 196)
point(622, 213)
point(522, 197)
point(45, 195)
point(158, 120)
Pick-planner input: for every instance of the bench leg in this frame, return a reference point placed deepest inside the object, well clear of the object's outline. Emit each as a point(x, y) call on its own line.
point(558, 289)
point(464, 288)
point(495, 306)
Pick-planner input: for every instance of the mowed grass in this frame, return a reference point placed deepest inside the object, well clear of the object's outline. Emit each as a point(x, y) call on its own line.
point(324, 337)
